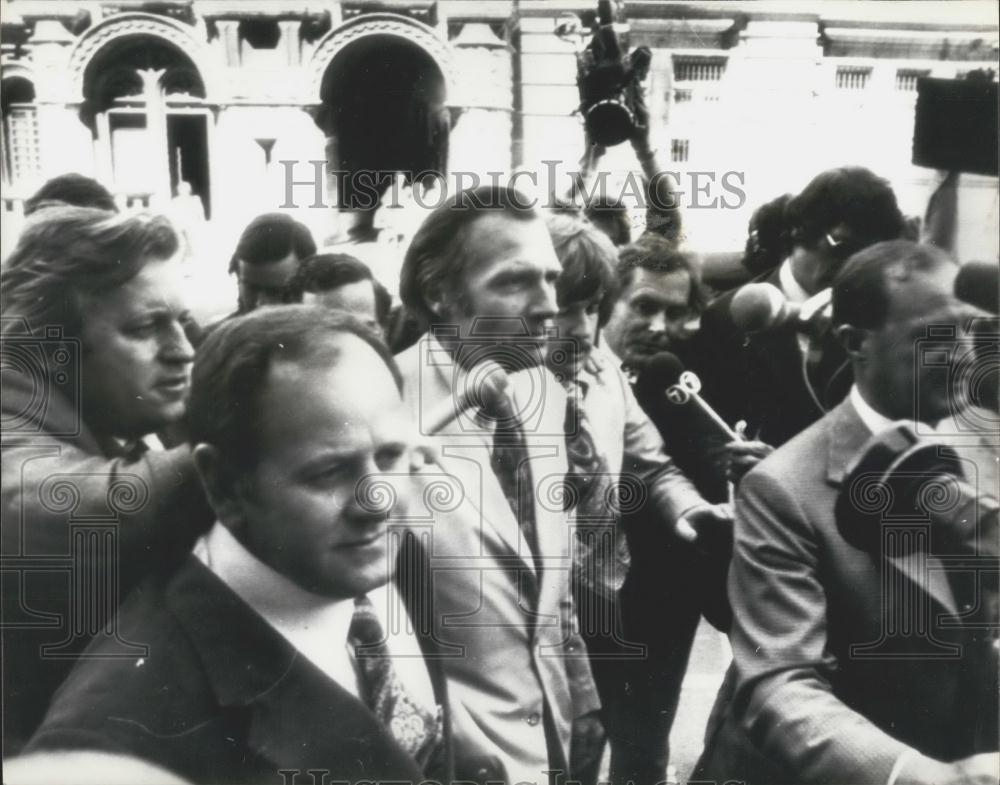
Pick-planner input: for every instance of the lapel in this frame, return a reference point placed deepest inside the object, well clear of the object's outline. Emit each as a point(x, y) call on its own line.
point(296, 716)
point(464, 452)
point(848, 434)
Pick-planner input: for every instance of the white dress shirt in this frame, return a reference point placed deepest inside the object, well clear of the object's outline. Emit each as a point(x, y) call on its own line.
point(317, 626)
point(877, 422)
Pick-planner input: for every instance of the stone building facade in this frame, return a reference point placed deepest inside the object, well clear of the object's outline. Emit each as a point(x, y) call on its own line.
point(222, 94)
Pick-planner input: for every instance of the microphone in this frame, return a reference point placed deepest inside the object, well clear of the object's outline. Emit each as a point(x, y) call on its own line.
point(978, 284)
point(665, 372)
point(758, 307)
point(478, 388)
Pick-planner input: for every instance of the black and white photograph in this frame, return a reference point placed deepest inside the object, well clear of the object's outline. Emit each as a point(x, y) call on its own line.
point(499, 392)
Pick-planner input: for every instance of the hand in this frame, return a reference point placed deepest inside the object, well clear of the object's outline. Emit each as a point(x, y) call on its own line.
point(982, 769)
point(640, 132)
point(709, 527)
point(741, 457)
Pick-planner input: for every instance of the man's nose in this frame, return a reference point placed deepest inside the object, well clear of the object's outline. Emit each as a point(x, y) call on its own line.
point(175, 347)
point(544, 303)
point(376, 493)
point(657, 323)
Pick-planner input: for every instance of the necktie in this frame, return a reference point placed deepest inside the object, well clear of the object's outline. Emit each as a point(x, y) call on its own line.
point(601, 557)
point(414, 727)
point(509, 461)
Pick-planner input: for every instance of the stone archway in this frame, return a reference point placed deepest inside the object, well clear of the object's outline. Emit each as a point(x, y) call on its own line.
point(382, 83)
point(142, 91)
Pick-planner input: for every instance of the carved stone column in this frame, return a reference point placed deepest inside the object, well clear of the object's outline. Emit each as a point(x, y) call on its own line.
point(156, 128)
point(483, 96)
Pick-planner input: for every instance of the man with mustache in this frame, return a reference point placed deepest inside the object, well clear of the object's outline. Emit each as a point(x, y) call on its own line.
point(660, 299)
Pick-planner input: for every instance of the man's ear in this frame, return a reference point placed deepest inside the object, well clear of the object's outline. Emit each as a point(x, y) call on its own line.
point(853, 339)
point(220, 486)
point(435, 301)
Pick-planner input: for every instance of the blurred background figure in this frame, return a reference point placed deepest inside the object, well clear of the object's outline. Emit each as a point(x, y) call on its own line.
point(343, 283)
point(266, 257)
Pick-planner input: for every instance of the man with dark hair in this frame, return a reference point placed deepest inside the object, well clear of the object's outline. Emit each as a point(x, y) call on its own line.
point(609, 439)
point(71, 189)
point(779, 380)
point(841, 650)
point(266, 257)
point(341, 282)
point(481, 271)
point(661, 297)
point(95, 360)
point(269, 651)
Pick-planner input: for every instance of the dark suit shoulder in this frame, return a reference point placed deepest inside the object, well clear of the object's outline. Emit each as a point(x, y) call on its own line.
point(159, 686)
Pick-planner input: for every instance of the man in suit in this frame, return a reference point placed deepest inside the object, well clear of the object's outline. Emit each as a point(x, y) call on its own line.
point(272, 650)
point(777, 380)
point(638, 641)
point(659, 300)
point(481, 271)
point(825, 689)
point(95, 361)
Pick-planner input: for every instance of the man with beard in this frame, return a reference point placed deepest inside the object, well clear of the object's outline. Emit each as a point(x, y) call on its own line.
point(481, 271)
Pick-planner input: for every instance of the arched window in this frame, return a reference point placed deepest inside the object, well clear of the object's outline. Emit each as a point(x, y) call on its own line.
point(20, 161)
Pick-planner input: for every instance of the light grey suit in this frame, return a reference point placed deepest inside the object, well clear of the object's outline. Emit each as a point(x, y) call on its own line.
point(823, 691)
point(507, 625)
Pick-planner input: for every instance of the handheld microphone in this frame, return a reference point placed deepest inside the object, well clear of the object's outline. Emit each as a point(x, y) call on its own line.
point(479, 388)
point(758, 307)
point(665, 372)
point(978, 284)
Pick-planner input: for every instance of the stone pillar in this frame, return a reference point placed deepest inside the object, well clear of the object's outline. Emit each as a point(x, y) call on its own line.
point(480, 139)
point(230, 35)
point(291, 40)
point(156, 128)
point(772, 77)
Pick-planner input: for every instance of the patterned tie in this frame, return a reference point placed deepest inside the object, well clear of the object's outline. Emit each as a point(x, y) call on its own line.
point(510, 464)
point(601, 558)
point(416, 729)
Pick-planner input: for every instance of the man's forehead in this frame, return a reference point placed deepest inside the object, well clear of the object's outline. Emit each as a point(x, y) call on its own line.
point(917, 294)
point(497, 235)
point(661, 281)
point(270, 272)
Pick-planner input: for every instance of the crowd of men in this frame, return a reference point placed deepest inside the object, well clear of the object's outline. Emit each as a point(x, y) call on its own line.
point(468, 536)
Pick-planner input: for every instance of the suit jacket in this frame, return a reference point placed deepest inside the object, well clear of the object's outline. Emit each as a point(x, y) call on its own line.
point(760, 378)
point(77, 516)
point(221, 697)
point(630, 441)
point(518, 673)
point(823, 691)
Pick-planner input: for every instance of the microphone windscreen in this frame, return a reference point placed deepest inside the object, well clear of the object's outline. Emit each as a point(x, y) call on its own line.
point(663, 370)
point(756, 307)
point(484, 384)
point(978, 283)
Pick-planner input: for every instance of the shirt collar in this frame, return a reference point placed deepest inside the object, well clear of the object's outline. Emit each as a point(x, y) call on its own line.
point(285, 605)
point(876, 422)
point(791, 288)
